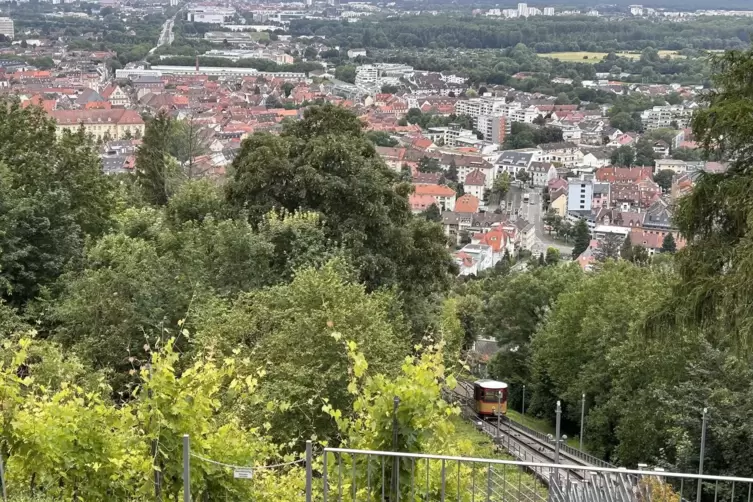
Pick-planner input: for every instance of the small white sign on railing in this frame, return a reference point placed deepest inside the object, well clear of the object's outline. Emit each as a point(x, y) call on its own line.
point(243, 473)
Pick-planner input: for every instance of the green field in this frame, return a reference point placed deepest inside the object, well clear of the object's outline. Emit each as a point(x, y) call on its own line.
point(595, 57)
point(259, 35)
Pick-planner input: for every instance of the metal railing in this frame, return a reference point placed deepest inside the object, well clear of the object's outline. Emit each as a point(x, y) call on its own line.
point(351, 475)
point(565, 449)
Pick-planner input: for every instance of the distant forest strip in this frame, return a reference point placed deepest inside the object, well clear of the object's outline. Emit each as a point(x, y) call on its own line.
point(542, 34)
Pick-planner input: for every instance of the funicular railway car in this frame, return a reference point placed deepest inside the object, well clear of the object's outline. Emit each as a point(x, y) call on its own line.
point(488, 395)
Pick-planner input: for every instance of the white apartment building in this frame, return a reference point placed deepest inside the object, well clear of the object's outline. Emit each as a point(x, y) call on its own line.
point(580, 193)
point(6, 27)
point(209, 14)
point(493, 107)
point(548, 11)
point(522, 10)
point(379, 74)
point(367, 76)
point(662, 116)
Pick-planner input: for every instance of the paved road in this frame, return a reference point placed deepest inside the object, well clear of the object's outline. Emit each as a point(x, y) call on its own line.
point(167, 36)
point(532, 212)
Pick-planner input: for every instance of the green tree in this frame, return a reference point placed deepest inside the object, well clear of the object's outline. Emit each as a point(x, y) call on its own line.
point(501, 185)
point(664, 179)
point(625, 122)
point(624, 156)
point(552, 256)
point(324, 163)
point(687, 154)
point(668, 245)
point(287, 88)
point(429, 165)
point(608, 248)
point(581, 238)
point(156, 170)
point(452, 171)
point(432, 213)
point(595, 350)
point(522, 175)
point(712, 219)
point(346, 73)
point(381, 138)
point(644, 153)
point(54, 196)
point(319, 309)
point(626, 250)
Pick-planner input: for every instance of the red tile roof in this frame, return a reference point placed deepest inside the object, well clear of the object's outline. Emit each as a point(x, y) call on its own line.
point(74, 117)
point(434, 190)
point(467, 204)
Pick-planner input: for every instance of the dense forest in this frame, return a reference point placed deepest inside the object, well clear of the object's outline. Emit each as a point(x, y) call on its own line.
point(295, 300)
point(544, 34)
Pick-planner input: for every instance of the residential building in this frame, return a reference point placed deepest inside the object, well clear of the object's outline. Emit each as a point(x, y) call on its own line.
point(467, 204)
point(474, 258)
point(116, 124)
point(565, 154)
point(493, 127)
point(512, 161)
point(354, 53)
point(629, 194)
point(498, 239)
point(379, 74)
point(466, 164)
point(558, 203)
point(542, 173)
point(116, 96)
point(601, 195)
point(522, 10)
point(420, 203)
point(579, 194)
point(427, 178)
point(527, 232)
point(147, 82)
point(475, 183)
point(209, 14)
point(452, 135)
point(444, 196)
point(597, 157)
point(661, 148)
point(652, 240)
point(393, 157)
point(548, 11)
point(625, 174)
point(678, 166)
point(7, 28)
point(674, 116)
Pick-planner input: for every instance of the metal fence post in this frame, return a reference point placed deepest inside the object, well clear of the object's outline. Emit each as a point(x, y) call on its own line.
point(523, 406)
point(396, 461)
point(582, 418)
point(186, 468)
point(2, 479)
point(557, 435)
point(308, 470)
point(703, 453)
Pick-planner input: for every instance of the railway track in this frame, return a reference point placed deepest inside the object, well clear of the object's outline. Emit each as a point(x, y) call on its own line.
point(527, 445)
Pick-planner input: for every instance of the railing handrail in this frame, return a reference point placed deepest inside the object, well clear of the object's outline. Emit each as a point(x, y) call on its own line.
point(610, 470)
